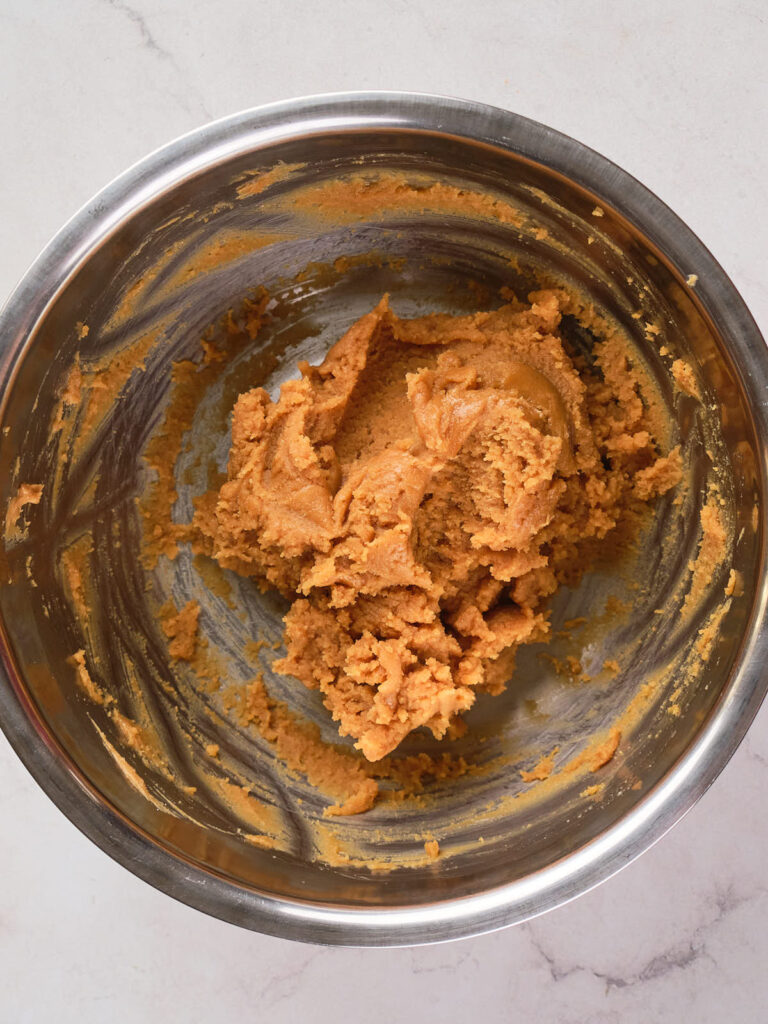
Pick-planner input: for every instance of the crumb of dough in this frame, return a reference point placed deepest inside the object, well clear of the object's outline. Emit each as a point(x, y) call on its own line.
point(74, 570)
point(594, 790)
point(611, 665)
point(432, 849)
point(692, 280)
point(590, 239)
point(181, 629)
point(211, 352)
point(712, 550)
point(685, 378)
point(420, 495)
point(664, 474)
point(84, 679)
point(83, 330)
point(69, 396)
point(263, 842)
point(710, 632)
point(26, 494)
point(603, 753)
point(674, 710)
point(141, 739)
point(253, 648)
point(734, 586)
point(596, 754)
point(542, 770)
point(636, 785)
point(598, 212)
point(575, 669)
point(212, 749)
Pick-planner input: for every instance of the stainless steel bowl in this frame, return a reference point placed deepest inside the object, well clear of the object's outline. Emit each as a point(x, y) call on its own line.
point(638, 254)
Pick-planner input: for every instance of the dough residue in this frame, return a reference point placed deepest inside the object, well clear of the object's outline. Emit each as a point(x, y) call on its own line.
point(685, 378)
point(598, 754)
point(85, 680)
point(26, 494)
point(181, 629)
point(540, 771)
point(713, 547)
point(299, 746)
point(432, 849)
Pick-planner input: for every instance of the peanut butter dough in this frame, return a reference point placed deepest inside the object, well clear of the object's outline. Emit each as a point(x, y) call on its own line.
point(422, 493)
point(26, 494)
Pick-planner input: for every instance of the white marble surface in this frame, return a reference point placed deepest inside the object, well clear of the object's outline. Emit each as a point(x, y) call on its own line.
point(674, 92)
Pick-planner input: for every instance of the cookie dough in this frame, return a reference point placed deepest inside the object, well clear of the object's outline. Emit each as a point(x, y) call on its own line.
point(421, 494)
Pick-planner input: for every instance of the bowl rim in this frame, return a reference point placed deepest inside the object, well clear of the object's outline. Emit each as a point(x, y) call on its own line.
point(658, 810)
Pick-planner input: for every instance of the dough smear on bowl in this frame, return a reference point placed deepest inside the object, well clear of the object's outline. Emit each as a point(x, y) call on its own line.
point(420, 495)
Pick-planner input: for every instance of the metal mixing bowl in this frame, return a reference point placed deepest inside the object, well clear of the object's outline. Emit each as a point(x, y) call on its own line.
point(131, 240)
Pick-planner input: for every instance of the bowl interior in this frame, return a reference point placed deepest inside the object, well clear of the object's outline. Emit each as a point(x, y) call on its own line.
point(147, 293)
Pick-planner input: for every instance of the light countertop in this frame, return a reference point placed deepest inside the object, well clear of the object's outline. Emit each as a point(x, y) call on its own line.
point(677, 94)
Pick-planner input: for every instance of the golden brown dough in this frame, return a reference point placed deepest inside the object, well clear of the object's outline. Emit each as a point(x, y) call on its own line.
point(26, 494)
point(419, 496)
point(181, 629)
